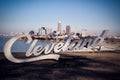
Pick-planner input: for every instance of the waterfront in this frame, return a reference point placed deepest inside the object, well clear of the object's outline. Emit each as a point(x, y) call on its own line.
point(19, 46)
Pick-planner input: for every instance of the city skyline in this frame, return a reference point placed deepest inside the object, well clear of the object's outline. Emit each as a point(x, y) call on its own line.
point(26, 15)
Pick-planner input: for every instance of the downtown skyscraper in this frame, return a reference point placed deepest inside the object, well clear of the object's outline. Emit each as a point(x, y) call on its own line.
point(59, 28)
point(68, 29)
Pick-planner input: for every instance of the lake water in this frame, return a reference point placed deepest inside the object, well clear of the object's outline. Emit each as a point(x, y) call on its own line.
point(19, 46)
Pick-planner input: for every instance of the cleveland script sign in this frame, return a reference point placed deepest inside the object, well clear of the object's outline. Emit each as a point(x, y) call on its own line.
point(41, 52)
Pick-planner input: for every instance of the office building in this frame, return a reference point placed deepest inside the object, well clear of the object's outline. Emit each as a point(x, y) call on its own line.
point(68, 29)
point(84, 32)
point(59, 28)
point(48, 30)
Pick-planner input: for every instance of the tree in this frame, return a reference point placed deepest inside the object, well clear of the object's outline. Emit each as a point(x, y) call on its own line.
point(31, 32)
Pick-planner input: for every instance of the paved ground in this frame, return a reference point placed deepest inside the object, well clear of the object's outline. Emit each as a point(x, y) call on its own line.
point(71, 66)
